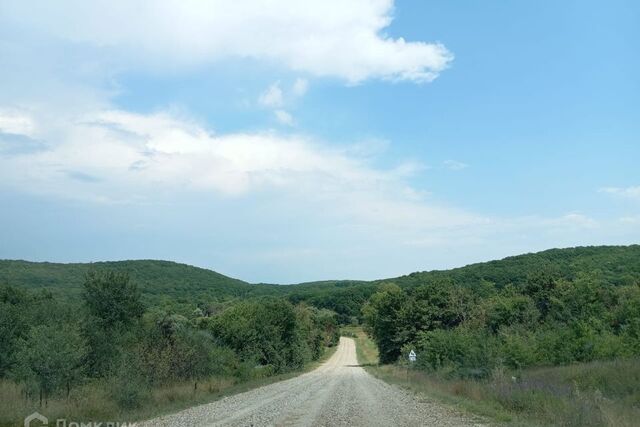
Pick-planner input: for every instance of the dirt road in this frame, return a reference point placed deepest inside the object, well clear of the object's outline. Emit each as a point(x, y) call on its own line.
point(338, 393)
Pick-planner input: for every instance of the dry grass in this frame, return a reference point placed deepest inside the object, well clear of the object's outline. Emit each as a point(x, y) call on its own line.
point(605, 393)
point(93, 402)
point(366, 349)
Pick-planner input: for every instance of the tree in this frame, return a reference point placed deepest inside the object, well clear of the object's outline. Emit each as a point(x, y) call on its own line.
point(266, 331)
point(112, 299)
point(540, 287)
point(113, 305)
point(195, 354)
point(50, 358)
point(384, 321)
point(13, 325)
point(437, 304)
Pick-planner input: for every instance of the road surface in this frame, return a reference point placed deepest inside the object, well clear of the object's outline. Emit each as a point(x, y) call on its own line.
point(338, 393)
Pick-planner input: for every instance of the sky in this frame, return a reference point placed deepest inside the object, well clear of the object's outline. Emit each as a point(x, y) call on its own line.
point(286, 141)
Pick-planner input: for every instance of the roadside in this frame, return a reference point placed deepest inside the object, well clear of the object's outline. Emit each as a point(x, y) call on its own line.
point(586, 394)
point(338, 393)
point(417, 381)
point(87, 403)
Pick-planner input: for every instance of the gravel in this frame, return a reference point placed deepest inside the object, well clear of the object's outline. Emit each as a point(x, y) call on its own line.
point(338, 393)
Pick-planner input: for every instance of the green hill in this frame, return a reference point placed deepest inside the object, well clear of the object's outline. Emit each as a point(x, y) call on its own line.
point(617, 265)
point(154, 278)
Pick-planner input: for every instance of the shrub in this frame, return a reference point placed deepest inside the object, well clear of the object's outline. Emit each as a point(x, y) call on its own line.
point(468, 353)
point(128, 387)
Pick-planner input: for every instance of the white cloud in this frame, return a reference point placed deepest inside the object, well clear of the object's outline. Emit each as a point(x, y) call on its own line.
point(300, 87)
point(284, 117)
point(17, 123)
point(272, 97)
point(333, 38)
point(632, 193)
point(326, 205)
point(576, 220)
point(121, 157)
point(455, 165)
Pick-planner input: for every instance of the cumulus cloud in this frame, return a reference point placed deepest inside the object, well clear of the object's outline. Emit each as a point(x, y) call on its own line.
point(332, 38)
point(122, 157)
point(117, 156)
point(324, 202)
point(632, 193)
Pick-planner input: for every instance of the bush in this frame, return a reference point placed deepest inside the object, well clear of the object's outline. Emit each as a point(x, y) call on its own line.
point(128, 387)
point(518, 348)
point(465, 353)
point(273, 332)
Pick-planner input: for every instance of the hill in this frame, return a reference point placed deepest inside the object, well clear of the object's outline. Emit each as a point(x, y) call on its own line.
point(154, 278)
point(617, 265)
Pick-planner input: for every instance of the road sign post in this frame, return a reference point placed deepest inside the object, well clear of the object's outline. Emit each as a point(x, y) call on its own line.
point(412, 359)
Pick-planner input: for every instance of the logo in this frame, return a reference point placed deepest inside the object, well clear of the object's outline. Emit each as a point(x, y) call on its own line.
point(35, 416)
point(61, 422)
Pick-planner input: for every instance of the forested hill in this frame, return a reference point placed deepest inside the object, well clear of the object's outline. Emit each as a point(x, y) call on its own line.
point(616, 265)
point(153, 278)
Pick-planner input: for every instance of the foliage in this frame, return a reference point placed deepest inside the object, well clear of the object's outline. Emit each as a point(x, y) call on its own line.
point(108, 337)
point(157, 280)
point(50, 358)
point(111, 299)
point(538, 318)
point(273, 332)
point(385, 318)
point(130, 328)
point(181, 287)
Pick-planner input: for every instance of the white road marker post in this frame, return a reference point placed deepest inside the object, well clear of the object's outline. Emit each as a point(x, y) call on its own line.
point(412, 359)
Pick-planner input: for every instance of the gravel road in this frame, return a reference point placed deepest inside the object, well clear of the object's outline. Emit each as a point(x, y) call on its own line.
point(338, 393)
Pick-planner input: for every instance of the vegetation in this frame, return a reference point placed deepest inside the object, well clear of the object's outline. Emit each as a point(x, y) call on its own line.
point(545, 338)
point(601, 393)
point(157, 280)
point(182, 286)
point(108, 345)
point(543, 321)
point(527, 335)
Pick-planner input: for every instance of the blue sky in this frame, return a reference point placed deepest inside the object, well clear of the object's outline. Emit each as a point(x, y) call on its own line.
point(325, 140)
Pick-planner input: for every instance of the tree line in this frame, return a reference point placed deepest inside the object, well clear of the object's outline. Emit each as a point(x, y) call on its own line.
point(542, 318)
point(51, 345)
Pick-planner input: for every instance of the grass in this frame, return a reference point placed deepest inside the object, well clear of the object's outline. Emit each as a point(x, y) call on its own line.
point(92, 402)
point(366, 350)
point(603, 393)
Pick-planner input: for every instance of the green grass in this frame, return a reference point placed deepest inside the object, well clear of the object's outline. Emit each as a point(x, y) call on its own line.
point(92, 402)
point(603, 393)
